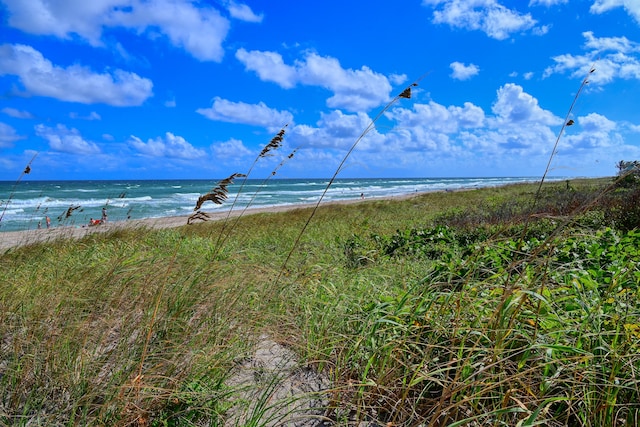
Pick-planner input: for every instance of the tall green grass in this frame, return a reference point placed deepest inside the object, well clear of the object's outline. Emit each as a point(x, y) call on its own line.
point(400, 303)
point(506, 306)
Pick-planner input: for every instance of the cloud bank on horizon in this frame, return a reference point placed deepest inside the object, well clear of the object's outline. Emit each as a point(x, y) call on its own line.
point(162, 89)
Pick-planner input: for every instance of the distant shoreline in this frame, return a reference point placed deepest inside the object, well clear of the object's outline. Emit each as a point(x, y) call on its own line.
point(10, 239)
point(74, 203)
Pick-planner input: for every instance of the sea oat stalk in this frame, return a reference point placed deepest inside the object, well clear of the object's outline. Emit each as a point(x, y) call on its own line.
point(405, 94)
point(26, 171)
point(274, 144)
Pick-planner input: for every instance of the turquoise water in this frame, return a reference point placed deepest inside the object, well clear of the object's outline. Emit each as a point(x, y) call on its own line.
point(73, 203)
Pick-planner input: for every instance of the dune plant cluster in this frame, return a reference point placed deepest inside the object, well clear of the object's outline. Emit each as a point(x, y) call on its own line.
point(435, 310)
point(514, 306)
point(503, 328)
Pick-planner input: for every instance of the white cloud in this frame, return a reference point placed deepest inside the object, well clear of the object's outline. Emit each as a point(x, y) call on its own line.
point(434, 117)
point(612, 58)
point(74, 83)
point(398, 79)
point(461, 140)
point(231, 149)
point(518, 127)
point(546, 2)
point(243, 12)
point(169, 146)
point(90, 117)
point(61, 18)
point(595, 122)
point(200, 30)
point(353, 90)
point(18, 114)
point(541, 30)
point(269, 66)
point(334, 130)
point(515, 106)
point(463, 72)
point(597, 132)
point(8, 136)
point(616, 44)
point(632, 7)
point(488, 16)
point(66, 140)
point(252, 114)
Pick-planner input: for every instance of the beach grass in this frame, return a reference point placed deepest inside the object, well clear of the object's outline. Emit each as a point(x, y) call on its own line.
point(451, 308)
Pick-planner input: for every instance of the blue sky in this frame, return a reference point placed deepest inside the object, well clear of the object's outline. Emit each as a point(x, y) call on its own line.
point(155, 89)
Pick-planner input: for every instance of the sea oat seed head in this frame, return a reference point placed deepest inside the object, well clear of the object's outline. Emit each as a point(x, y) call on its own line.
point(275, 143)
point(218, 194)
point(406, 93)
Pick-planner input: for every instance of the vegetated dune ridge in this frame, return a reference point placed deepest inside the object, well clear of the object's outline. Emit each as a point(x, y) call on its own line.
point(11, 239)
point(388, 312)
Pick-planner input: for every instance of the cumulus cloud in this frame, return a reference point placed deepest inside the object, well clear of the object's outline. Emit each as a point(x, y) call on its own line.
point(632, 7)
point(463, 72)
point(353, 90)
point(434, 117)
point(612, 57)
point(90, 117)
point(18, 114)
point(517, 126)
point(398, 79)
point(66, 140)
point(515, 106)
point(243, 12)
point(198, 29)
point(546, 2)
point(231, 149)
point(269, 66)
point(8, 136)
point(488, 16)
point(61, 18)
point(169, 146)
point(616, 44)
point(335, 131)
point(516, 132)
point(252, 114)
point(595, 122)
point(74, 83)
point(597, 132)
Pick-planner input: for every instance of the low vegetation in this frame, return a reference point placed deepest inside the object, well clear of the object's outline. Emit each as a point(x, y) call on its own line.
point(515, 305)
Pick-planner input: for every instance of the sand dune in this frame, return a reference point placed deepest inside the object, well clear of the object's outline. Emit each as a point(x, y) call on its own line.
point(11, 239)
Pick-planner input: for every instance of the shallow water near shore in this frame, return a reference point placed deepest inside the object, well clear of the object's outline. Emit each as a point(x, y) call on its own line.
point(25, 205)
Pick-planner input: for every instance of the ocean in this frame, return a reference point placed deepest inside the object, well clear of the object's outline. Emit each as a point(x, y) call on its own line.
point(26, 204)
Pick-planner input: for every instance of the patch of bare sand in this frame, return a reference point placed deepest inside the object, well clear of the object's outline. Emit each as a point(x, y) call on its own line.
point(272, 389)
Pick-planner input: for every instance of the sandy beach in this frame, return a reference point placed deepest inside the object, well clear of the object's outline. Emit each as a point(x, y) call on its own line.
point(10, 239)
